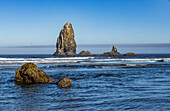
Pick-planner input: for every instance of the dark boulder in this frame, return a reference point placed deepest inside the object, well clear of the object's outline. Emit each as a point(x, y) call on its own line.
point(29, 73)
point(84, 53)
point(129, 54)
point(66, 45)
point(64, 82)
point(95, 55)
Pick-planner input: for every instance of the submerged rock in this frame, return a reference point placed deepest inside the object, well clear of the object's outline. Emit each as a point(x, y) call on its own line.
point(66, 45)
point(129, 54)
point(64, 82)
point(29, 73)
point(84, 53)
point(112, 53)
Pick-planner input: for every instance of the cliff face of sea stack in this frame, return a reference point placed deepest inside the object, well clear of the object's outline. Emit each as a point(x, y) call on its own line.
point(66, 45)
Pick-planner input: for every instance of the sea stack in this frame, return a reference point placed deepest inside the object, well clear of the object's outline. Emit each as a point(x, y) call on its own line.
point(66, 44)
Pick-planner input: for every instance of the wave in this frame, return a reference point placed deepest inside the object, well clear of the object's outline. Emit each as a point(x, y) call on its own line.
point(83, 60)
point(4, 61)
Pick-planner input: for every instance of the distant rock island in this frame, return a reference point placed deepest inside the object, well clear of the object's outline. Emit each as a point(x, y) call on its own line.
point(66, 45)
point(114, 52)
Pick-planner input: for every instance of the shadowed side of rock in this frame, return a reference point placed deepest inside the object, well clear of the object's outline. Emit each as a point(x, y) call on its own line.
point(66, 44)
point(29, 73)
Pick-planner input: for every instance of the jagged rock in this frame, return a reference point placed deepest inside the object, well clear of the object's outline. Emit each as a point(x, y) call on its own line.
point(95, 55)
point(64, 82)
point(112, 53)
point(84, 53)
point(129, 54)
point(114, 49)
point(29, 73)
point(66, 45)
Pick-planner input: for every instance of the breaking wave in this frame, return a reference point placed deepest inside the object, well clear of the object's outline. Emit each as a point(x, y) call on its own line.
point(83, 60)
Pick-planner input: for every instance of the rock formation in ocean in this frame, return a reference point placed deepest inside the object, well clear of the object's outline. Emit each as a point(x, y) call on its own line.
point(29, 73)
point(64, 82)
point(114, 49)
point(84, 53)
point(66, 45)
point(129, 54)
point(112, 53)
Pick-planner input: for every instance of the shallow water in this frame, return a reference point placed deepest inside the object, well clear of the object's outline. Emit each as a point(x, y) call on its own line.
point(99, 83)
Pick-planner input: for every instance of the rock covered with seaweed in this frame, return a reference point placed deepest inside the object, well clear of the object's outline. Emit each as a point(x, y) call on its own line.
point(64, 82)
point(29, 73)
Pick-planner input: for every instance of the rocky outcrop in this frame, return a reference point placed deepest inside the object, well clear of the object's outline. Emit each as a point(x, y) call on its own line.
point(112, 53)
point(84, 53)
point(129, 54)
point(29, 73)
point(66, 45)
point(114, 49)
point(64, 82)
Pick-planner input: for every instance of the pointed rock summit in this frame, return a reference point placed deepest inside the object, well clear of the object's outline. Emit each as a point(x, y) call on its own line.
point(114, 49)
point(66, 45)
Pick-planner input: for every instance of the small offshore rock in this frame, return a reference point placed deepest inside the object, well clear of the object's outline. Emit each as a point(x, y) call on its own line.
point(111, 54)
point(114, 52)
point(29, 73)
point(84, 53)
point(129, 54)
point(95, 55)
point(64, 82)
point(162, 60)
point(66, 44)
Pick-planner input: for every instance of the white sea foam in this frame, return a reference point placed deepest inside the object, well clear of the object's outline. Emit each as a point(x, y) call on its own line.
point(78, 59)
point(136, 64)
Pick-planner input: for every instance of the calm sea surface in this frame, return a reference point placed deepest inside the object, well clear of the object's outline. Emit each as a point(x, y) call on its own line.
point(94, 49)
point(99, 83)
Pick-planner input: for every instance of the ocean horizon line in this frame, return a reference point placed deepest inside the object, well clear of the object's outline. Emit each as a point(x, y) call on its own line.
point(94, 45)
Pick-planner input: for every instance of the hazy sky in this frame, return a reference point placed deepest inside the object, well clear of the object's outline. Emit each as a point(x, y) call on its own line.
point(38, 22)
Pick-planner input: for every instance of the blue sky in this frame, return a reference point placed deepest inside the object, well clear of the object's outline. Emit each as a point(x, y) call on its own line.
point(38, 22)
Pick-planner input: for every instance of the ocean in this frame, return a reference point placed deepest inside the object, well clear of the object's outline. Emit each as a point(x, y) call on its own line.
point(99, 83)
point(93, 48)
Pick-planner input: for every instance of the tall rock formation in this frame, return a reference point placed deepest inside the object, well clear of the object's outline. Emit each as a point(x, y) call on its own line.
point(66, 45)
